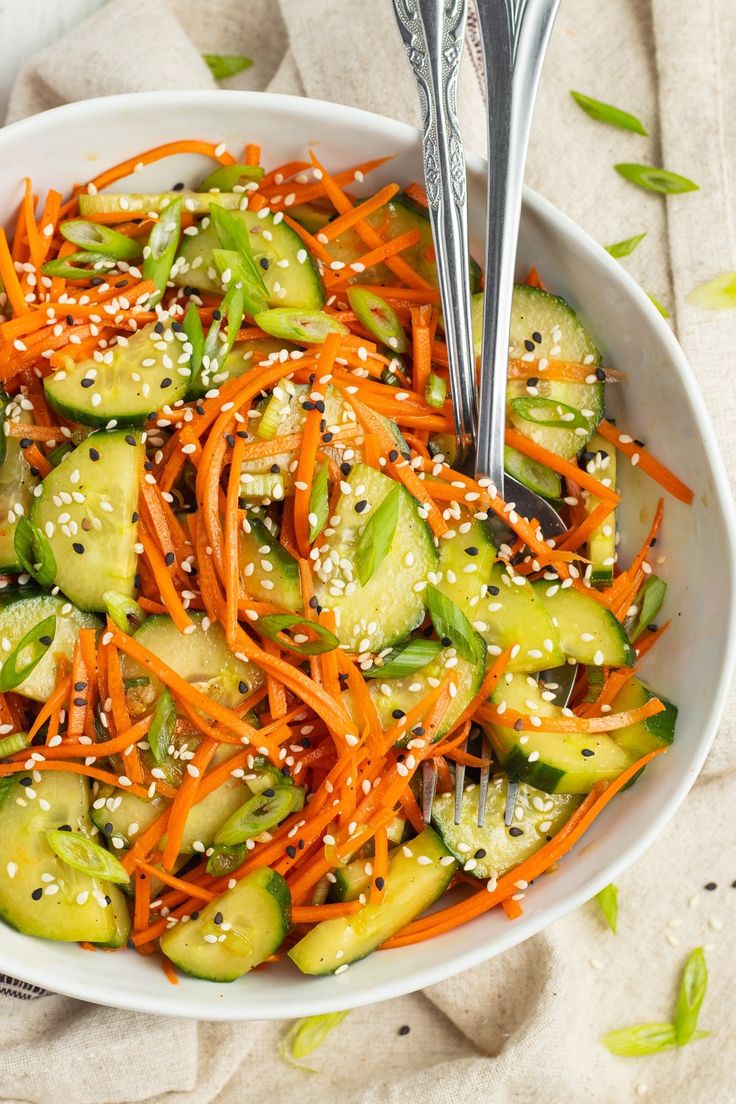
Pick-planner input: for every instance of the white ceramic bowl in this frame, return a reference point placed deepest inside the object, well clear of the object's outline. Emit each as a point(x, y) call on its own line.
point(660, 402)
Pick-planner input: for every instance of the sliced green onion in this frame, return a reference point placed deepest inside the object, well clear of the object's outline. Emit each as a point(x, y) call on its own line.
point(607, 901)
point(548, 412)
point(192, 325)
point(226, 65)
point(451, 624)
point(163, 243)
point(379, 318)
point(660, 307)
point(260, 813)
point(234, 236)
point(272, 412)
point(96, 238)
point(162, 727)
point(308, 326)
point(319, 503)
point(538, 478)
point(606, 113)
point(34, 552)
point(134, 683)
point(378, 533)
point(229, 177)
point(650, 1038)
point(436, 390)
point(235, 270)
point(716, 294)
point(274, 625)
point(649, 600)
point(124, 611)
point(224, 860)
point(37, 640)
point(625, 247)
point(216, 349)
point(67, 267)
point(653, 179)
point(691, 995)
point(17, 741)
point(59, 453)
point(307, 1035)
point(406, 659)
point(84, 854)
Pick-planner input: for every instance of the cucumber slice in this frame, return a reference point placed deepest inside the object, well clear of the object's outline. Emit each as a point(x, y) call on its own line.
point(492, 850)
point(535, 314)
point(389, 606)
point(20, 614)
point(556, 762)
point(311, 217)
point(68, 905)
point(136, 204)
point(398, 216)
point(294, 284)
point(650, 734)
point(588, 631)
point(235, 932)
point(148, 371)
point(86, 509)
point(400, 695)
point(17, 483)
point(602, 541)
point(411, 887)
point(504, 613)
point(201, 657)
point(268, 572)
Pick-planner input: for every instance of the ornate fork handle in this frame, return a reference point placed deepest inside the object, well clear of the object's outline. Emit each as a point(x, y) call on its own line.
point(433, 33)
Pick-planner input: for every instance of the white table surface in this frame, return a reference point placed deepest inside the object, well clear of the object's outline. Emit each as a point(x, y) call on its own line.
point(27, 26)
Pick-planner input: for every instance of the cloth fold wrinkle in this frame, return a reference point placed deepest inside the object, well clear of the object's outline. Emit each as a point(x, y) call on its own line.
point(524, 1026)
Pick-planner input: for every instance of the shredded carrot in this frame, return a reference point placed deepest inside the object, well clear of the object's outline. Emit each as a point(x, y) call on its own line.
point(659, 473)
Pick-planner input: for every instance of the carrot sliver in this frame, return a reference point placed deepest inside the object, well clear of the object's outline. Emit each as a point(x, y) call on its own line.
point(658, 472)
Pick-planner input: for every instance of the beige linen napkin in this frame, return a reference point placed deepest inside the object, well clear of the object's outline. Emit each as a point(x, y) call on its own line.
point(525, 1026)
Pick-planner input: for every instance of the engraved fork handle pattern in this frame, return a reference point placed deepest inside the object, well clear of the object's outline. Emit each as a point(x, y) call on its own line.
point(433, 33)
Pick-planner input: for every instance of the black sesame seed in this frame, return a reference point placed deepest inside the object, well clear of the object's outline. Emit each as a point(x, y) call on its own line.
point(130, 439)
point(518, 725)
point(587, 752)
point(418, 730)
point(194, 915)
point(69, 320)
point(94, 455)
point(96, 281)
point(393, 456)
point(35, 473)
point(480, 853)
point(159, 327)
point(342, 678)
point(242, 687)
point(291, 851)
point(169, 558)
point(217, 315)
point(80, 686)
point(78, 548)
point(313, 603)
point(177, 327)
point(536, 336)
point(345, 468)
point(108, 900)
point(306, 742)
point(652, 627)
point(218, 918)
point(87, 383)
point(404, 1029)
point(360, 506)
point(600, 374)
point(25, 442)
point(121, 283)
point(514, 831)
point(107, 828)
point(64, 828)
point(37, 894)
point(494, 590)
point(397, 714)
point(327, 437)
point(300, 844)
point(529, 346)
point(710, 886)
point(639, 443)
point(308, 405)
point(81, 703)
point(532, 381)
point(472, 551)
point(269, 792)
point(46, 641)
point(26, 781)
point(165, 382)
point(148, 466)
point(320, 406)
point(264, 262)
point(445, 641)
point(178, 187)
point(380, 882)
point(134, 516)
point(275, 469)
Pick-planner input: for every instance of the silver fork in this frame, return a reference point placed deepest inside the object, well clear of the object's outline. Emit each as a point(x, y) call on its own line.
point(514, 36)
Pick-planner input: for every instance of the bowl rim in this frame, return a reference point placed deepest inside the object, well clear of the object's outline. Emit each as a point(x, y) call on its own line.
point(173, 1003)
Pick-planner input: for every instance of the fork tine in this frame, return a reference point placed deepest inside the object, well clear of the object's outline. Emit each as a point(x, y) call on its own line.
point(485, 773)
point(459, 784)
point(429, 786)
point(512, 790)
